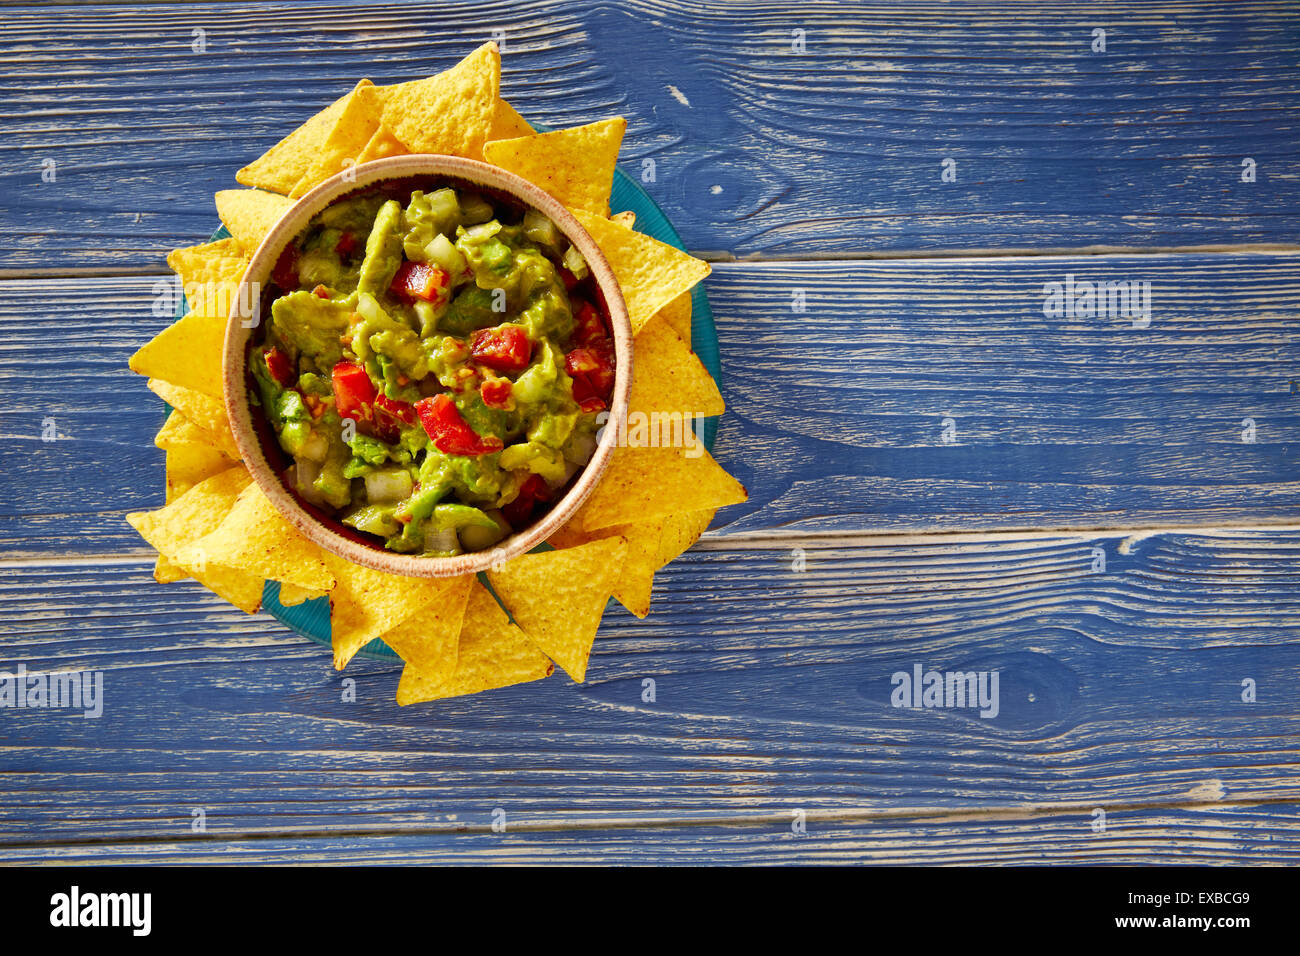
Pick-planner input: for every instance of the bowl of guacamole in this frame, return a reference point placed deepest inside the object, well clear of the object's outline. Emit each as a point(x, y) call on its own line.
point(426, 366)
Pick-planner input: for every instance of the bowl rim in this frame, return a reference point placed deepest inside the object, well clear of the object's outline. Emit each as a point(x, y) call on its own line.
point(241, 325)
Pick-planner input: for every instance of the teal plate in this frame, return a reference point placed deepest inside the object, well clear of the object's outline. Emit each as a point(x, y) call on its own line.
point(311, 619)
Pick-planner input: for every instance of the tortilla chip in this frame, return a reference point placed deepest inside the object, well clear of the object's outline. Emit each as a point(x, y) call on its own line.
point(203, 410)
point(681, 531)
point(636, 580)
point(291, 595)
point(210, 274)
point(508, 124)
point(256, 538)
point(576, 165)
point(677, 313)
point(193, 515)
point(645, 483)
point(190, 463)
point(558, 597)
point(650, 273)
point(366, 603)
point(186, 354)
point(347, 140)
point(428, 639)
point(491, 653)
point(668, 377)
point(281, 166)
point(249, 214)
point(179, 430)
point(449, 113)
point(381, 145)
point(164, 572)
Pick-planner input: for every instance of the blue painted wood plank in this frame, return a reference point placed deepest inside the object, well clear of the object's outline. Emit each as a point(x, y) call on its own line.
point(1120, 687)
point(837, 415)
point(1213, 835)
point(757, 149)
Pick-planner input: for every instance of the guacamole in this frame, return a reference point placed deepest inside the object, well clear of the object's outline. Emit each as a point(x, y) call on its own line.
point(433, 366)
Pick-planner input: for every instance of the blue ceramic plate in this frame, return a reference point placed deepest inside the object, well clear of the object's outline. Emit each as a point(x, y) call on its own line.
point(311, 619)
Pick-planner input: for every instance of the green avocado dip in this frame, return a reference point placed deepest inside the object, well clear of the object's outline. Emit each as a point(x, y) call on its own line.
point(433, 367)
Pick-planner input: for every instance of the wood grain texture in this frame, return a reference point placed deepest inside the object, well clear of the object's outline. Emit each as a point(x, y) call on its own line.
point(1209, 835)
point(1120, 688)
point(757, 149)
point(835, 416)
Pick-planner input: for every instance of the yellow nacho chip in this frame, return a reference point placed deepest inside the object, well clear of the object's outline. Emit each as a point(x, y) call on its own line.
point(352, 131)
point(653, 482)
point(491, 652)
point(382, 144)
point(249, 214)
point(186, 354)
point(210, 274)
point(679, 532)
point(626, 218)
point(291, 595)
point(164, 572)
point(429, 638)
point(190, 463)
point(677, 313)
point(179, 430)
point(366, 603)
point(651, 273)
point(558, 597)
point(206, 412)
point(636, 579)
point(256, 538)
point(576, 165)
point(193, 515)
point(281, 166)
point(449, 113)
point(668, 377)
point(508, 124)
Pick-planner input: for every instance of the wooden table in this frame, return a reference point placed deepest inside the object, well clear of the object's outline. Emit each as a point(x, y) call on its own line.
point(943, 471)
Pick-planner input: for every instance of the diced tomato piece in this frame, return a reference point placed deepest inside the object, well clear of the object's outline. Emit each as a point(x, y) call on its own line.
point(505, 348)
point(594, 366)
point(568, 278)
point(585, 394)
point(450, 432)
point(285, 273)
point(419, 280)
point(520, 511)
point(496, 392)
point(346, 246)
point(403, 412)
point(589, 326)
point(278, 364)
point(354, 393)
point(321, 292)
point(581, 360)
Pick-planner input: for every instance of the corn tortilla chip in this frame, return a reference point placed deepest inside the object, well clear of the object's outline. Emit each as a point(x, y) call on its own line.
point(193, 515)
point(366, 603)
point(206, 412)
point(256, 538)
point(291, 595)
point(668, 377)
point(655, 482)
point(347, 140)
point(179, 430)
point(650, 273)
point(429, 638)
point(210, 274)
point(508, 124)
point(382, 144)
point(190, 463)
point(281, 166)
point(626, 218)
point(576, 165)
point(491, 652)
point(164, 572)
point(636, 580)
point(677, 313)
point(679, 532)
point(249, 214)
point(558, 597)
point(449, 113)
point(186, 354)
